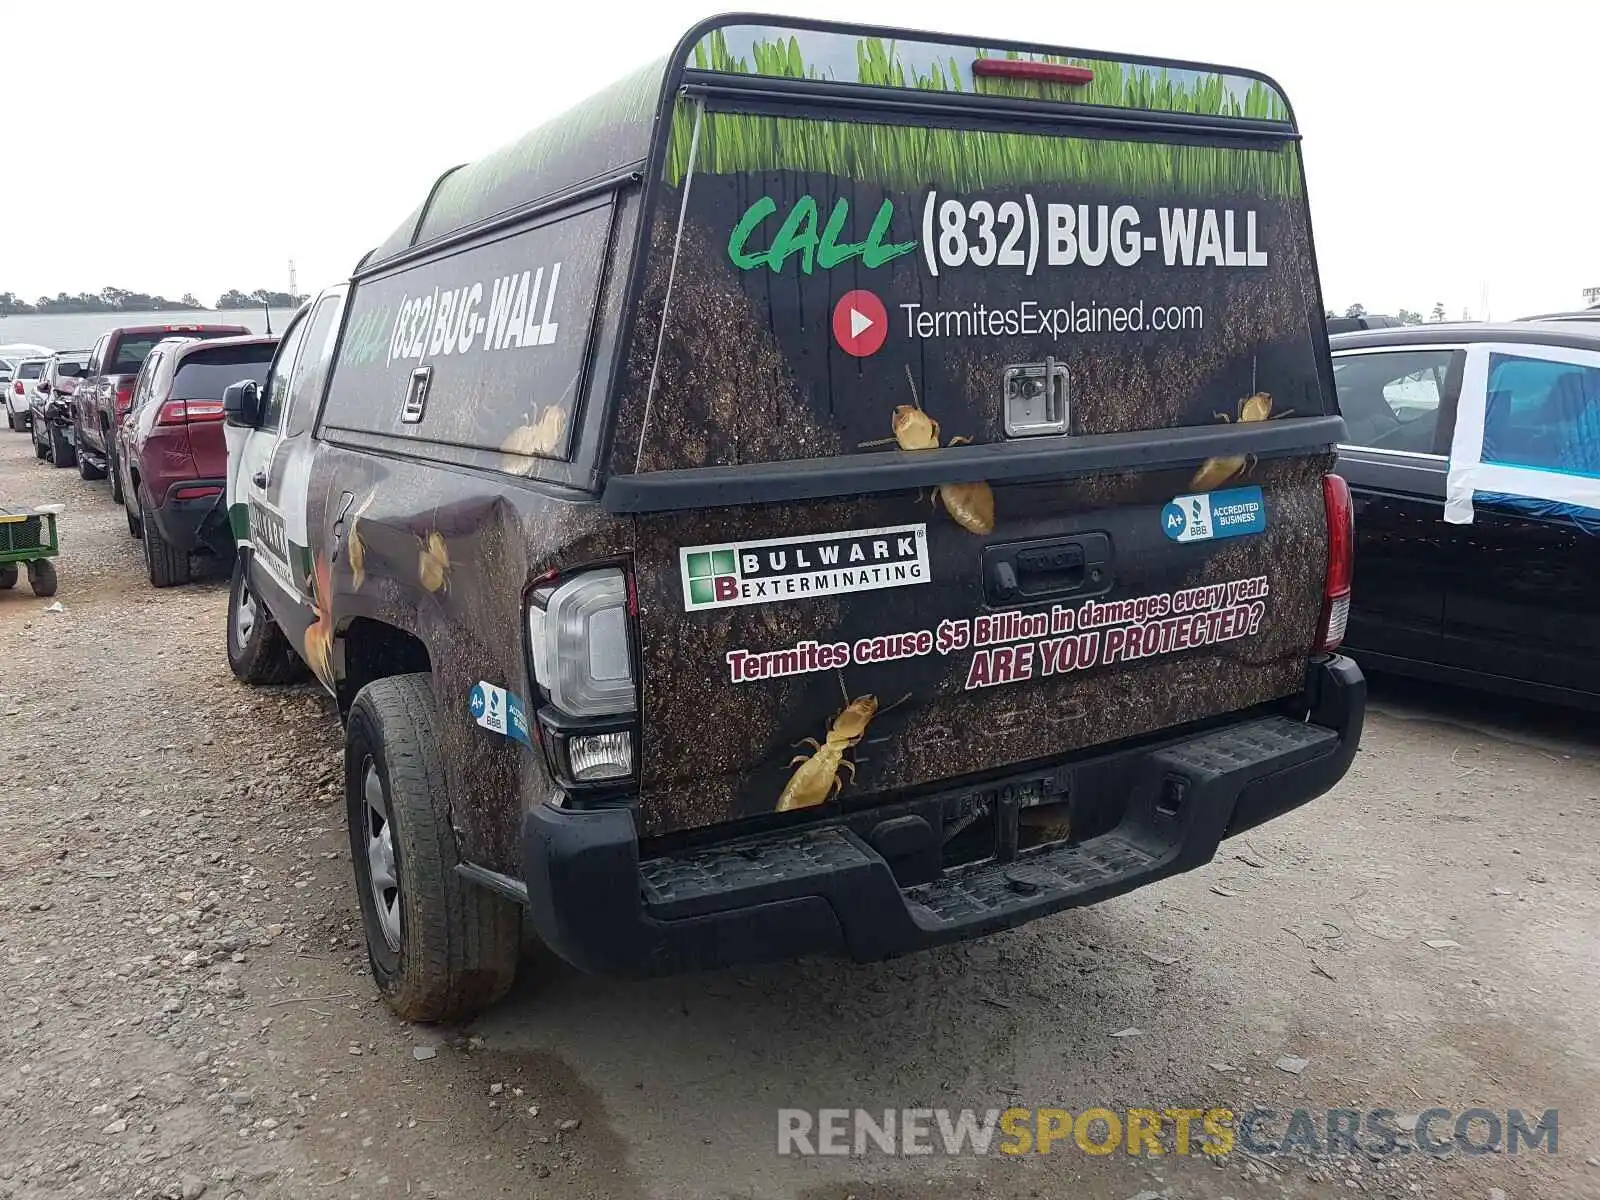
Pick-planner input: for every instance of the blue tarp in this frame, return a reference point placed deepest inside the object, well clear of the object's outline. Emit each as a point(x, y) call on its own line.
point(1586, 520)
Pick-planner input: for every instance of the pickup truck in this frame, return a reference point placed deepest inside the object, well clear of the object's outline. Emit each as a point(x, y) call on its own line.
point(106, 390)
point(635, 598)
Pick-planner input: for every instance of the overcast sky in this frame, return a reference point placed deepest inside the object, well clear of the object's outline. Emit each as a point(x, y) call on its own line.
point(198, 148)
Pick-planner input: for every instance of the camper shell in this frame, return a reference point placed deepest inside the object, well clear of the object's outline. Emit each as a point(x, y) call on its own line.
point(836, 489)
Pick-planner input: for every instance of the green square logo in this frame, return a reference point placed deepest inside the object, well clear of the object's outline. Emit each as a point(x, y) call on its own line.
point(710, 576)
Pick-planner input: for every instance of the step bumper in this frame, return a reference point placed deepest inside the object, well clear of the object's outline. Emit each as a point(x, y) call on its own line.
point(824, 889)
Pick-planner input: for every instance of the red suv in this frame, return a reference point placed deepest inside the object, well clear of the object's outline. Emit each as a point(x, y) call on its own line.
point(106, 389)
point(173, 467)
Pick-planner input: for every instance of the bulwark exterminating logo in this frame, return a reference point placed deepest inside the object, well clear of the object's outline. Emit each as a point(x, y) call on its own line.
point(823, 564)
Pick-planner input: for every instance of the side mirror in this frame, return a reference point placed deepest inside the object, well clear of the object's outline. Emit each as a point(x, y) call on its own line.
point(241, 404)
point(43, 387)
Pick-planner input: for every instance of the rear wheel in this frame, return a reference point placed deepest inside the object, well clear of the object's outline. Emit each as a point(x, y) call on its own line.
point(8, 576)
point(257, 650)
point(116, 475)
point(167, 564)
point(42, 577)
point(11, 420)
point(135, 518)
point(62, 453)
point(41, 449)
point(441, 949)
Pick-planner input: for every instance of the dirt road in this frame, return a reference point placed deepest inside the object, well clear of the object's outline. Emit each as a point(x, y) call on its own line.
point(185, 1008)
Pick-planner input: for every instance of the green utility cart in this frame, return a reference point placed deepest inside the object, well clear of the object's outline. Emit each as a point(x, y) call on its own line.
point(28, 536)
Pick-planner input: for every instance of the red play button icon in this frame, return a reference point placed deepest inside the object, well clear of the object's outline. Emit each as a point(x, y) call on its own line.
point(860, 323)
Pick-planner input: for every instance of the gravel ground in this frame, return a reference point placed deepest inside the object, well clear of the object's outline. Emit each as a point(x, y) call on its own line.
point(185, 1008)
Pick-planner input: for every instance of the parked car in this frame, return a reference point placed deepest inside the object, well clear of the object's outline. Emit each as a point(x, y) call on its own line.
point(1473, 455)
point(171, 452)
point(19, 393)
point(582, 563)
point(106, 389)
point(51, 409)
point(1365, 321)
point(12, 353)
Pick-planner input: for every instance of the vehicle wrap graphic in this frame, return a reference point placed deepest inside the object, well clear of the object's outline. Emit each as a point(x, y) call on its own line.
point(936, 66)
point(721, 349)
point(500, 329)
point(841, 288)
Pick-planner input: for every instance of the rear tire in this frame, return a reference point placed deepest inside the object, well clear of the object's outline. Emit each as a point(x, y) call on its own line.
point(42, 577)
point(258, 652)
point(11, 421)
point(62, 453)
point(168, 566)
point(135, 521)
point(441, 949)
point(116, 478)
point(87, 470)
point(41, 450)
point(8, 576)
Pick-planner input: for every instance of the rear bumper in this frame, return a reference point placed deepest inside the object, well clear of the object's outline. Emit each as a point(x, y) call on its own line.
point(825, 889)
point(194, 523)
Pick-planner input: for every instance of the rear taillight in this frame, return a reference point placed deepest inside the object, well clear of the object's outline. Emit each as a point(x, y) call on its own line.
point(582, 658)
point(124, 399)
point(1038, 72)
point(1341, 562)
point(181, 412)
point(17, 387)
point(198, 492)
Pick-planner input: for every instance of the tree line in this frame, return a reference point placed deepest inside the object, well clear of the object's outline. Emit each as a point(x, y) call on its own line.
point(121, 300)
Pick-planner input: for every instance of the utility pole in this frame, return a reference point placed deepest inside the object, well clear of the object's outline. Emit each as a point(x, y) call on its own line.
point(294, 280)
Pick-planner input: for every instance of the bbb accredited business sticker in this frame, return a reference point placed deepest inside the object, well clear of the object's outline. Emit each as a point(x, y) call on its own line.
point(1210, 515)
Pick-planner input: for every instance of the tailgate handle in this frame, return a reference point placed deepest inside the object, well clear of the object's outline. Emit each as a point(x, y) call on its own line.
point(1064, 560)
point(1077, 565)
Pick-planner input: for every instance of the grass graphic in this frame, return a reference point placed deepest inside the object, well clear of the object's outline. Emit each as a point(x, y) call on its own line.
point(911, 157)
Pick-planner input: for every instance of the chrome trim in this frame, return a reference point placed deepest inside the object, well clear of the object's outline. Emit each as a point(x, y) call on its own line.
point(1407, 348)
point(1342, 446)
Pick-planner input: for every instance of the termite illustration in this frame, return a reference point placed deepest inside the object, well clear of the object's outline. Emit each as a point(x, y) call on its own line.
point(357, 548)
point(539, 438)
point(1215, 472)
point(433, 562)
point(970, 505)
point(818, 776)
point(319, 634)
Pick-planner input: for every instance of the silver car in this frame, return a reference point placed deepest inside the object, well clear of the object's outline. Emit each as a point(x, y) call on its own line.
point(25, 375)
